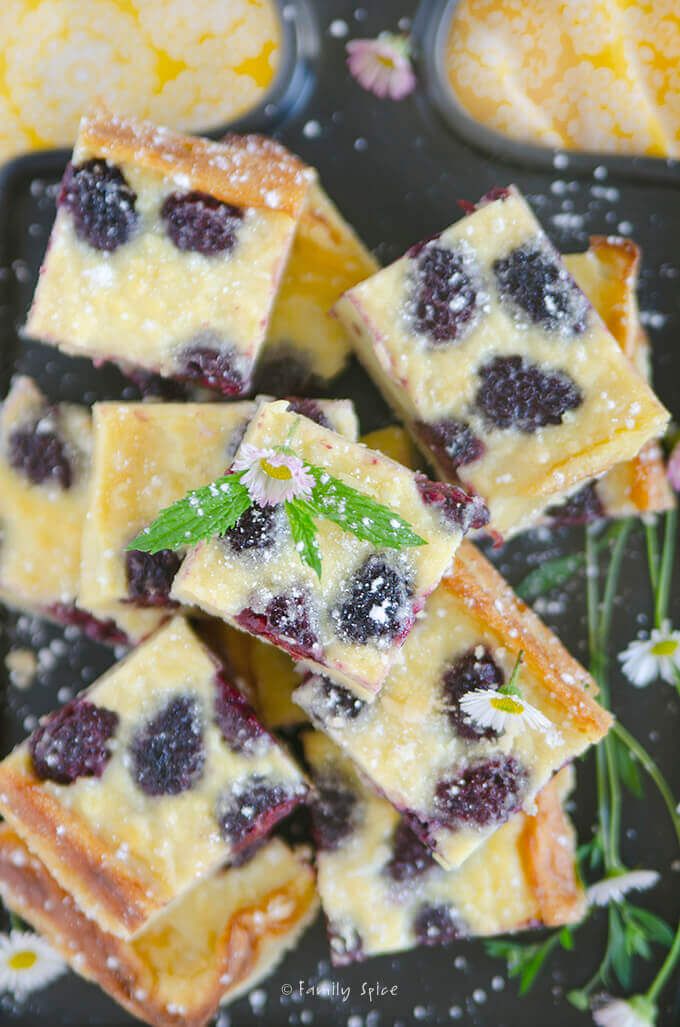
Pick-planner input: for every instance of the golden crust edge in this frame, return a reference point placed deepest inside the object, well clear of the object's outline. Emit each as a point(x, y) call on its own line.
point(550, 865)
point(62, 840)
point(32, 892)
point(275, 179)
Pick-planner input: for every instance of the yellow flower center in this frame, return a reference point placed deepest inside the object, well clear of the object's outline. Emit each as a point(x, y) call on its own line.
point(281, 473)
point(666, 648)
point(24, 959)
point(387, 62)
point(507, 704)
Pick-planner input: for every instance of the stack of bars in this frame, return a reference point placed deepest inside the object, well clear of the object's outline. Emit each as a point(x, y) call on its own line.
point(208, 269)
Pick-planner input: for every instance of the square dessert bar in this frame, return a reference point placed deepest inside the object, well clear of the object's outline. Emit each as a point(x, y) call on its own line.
point(382, 891)
point(493, 356)
point(167, 250)
point(272, 673)
point(45, 475)
point(608, 274)
point(211, 946)
point(356, 616)
point(147, 782)
point(454, 781)
point(146, 456)
point(306, 346)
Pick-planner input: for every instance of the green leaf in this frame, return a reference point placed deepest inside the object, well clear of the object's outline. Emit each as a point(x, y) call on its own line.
point(523, 961)
point(619, 950)
point(567, 939)
point(654, 927)
point(303, 530)
point(553, 573)
point(359, 514)
point(201, 514)
point(628, 768)
point(549, 575)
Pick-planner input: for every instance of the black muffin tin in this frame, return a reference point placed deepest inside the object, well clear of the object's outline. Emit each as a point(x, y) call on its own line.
point(396, 170)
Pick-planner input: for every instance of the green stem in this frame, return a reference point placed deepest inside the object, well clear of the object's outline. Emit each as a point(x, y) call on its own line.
point(652, 538)
point(612, 857)
point(651, 768)
point(611, 584)
point(614, 806)
point(592, 597)
point(666, 968)
point(665, 569)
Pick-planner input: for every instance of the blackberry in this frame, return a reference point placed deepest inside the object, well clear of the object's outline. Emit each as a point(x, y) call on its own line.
point(72, 742)
point(532, 279)
point(199, 223)
point(515, 393)
point(168, 754)
point(484, 793)
point(101, 203)
point(474, 669)
point(377, 604)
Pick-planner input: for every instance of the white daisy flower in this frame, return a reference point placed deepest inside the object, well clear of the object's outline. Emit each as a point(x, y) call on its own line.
point(272, 477)
point(27, 963)
point(613, 889)
point(647, 660)
point(635, 1012)
point(382, 66)
point(499, 710)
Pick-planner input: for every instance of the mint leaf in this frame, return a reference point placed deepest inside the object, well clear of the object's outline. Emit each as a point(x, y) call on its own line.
point(203, 513)
point(549, 575)
point(303, 530)
point(359, 514)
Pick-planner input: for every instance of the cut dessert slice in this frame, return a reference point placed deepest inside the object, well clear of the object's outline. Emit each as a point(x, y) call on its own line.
point(382, 891)
point(305, 345)
point(505, 374)
point(354, 618)
point(167, 250)
point(608, 274)
point(212, 945)
point(146, 456)
point(455, 779)
point(161, 750)
point(45, 475)
point(273, 674)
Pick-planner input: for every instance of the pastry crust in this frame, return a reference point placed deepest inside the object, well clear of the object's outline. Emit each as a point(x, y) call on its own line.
point(248, 171)
point(548, 845)
point(60, 838)
point(101, 837)
point(252, 938)
point(524, 876)
point(488, 594)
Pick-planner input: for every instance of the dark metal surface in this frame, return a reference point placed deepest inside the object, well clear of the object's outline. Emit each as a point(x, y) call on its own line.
point(396, 171)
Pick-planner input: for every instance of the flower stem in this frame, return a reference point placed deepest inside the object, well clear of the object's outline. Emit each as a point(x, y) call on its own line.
point(652, 769)
point(665, 969)
point(652, 539)
point(662, 592)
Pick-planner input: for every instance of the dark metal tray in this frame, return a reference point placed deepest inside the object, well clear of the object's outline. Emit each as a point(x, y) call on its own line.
point(396, 170)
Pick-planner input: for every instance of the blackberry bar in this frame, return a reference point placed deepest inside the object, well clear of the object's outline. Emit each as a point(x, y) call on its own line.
point(167, 250)
point(45, 479)
point(457, 782)
point(507, 377)
point(382, 891)
point(147, 782)
point(212, 945)
point(354, 618)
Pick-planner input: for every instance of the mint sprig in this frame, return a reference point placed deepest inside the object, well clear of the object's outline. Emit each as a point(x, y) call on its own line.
point(303, 530)
point(215, 508)
point(359, 514)
point(202, 513)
